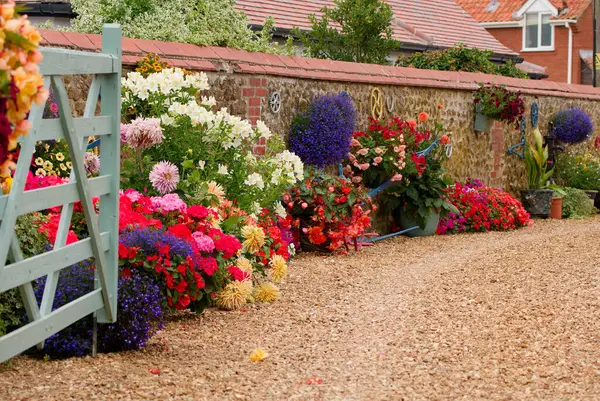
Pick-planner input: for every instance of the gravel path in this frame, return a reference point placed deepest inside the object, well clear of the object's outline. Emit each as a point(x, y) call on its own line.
point(489, 316)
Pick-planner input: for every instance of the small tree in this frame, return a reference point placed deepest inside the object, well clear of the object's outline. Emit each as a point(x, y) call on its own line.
point(355, 30)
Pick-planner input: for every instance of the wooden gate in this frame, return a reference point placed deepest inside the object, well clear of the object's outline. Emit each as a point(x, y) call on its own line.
point(102, 244)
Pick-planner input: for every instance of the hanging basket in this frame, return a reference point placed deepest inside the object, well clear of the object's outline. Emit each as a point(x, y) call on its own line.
point(482, 123)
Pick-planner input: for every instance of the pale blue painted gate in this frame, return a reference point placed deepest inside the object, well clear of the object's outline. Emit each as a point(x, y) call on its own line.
point(102, 243)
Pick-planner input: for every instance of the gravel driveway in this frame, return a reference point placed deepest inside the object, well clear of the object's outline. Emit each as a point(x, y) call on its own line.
point(494, 316)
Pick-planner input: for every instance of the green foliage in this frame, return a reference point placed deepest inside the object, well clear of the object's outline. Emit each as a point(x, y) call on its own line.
point(576, 204)
point(460, 58)
point(201, 22)
point(536, 158)
point(355, 30)
point(582, 172)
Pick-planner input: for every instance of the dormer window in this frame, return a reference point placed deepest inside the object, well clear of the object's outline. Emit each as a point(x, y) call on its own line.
point(538, 33)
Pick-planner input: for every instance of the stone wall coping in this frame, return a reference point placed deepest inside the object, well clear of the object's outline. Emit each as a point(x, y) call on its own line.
point(221, 59)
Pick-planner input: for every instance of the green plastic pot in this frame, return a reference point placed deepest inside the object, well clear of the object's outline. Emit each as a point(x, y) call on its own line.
point(482, 123)
point(431, 225)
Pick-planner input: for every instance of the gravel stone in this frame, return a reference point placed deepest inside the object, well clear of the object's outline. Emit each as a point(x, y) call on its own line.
point(492, 316)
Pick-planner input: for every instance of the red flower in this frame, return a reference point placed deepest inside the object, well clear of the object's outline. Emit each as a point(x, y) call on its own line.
point(237, 273)
point(208, 265)
point(164, 250)
point(180, 231)
point(346, 190)
point(182, 269)
point(444, 140)
point(420, 163)
point(183, 302)
point(126, 273)
point(180, 288)
point(316, 236)
point(197, 211)
point(423, 116)
point(169, 280)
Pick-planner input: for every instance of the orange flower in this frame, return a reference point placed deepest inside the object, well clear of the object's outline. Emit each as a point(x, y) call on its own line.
point(423, 116)
point(316, 236)
point(445, 140)
point(412, 123)
point(440, 106)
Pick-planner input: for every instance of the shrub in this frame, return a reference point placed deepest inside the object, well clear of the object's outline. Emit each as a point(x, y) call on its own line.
point(576, 204)
point(497, 102)
point(139, 313)
point(572, 125)
point(201, 22)
point(579, 171)
point(355, 30)
point(460, 58)
point(321, 135)
point(481, 208)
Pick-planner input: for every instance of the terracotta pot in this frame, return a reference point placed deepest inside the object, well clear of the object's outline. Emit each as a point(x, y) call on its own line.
point(556, 208)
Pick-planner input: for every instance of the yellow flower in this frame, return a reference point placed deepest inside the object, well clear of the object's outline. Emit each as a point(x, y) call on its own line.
point(278, 268)
point(60, 157)
point(39, 161)
point(69, 165)
point(254, 238)
point(216, 190)
point(52, 172)
point(47, 147)
point(48, 165)
point(63, 167)
point(266, 292)
point(40, 172)
point(234, 295)
point(244, 265)
point(7, 185)
point(258, 355)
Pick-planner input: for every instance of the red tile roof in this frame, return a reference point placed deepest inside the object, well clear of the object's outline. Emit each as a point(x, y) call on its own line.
point(506, 8)
point(443, 21)
point(240, 61)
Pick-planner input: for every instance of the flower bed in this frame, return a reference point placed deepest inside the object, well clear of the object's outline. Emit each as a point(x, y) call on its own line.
point(481, 208)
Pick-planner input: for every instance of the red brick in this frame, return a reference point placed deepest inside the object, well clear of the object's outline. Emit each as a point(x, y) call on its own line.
point(199, 65)
point(80, 40)
point(95, 39)
point(261, 92)
point(251, 69)
point(262, 141)
point(147, 46)
point(129, 46)
point(254, 111)
point(264, 82)
point(248, 92)
point(259, 150)
point(254, 101)
point(253, 120)
point(255, 81)
point(55, 38)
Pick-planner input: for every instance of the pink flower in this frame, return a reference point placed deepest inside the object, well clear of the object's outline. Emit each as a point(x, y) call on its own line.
point(132, 194)
point(354, 143)
point(91, 163)
point(204, 242)
point(54, 108)
point(363, 151)
point(143, 133)
point(378, 159)
point(356, 179)
point(167, 203)
point(124, 128)
point(378, 151)
point(396, 177)
point(164, 177)
point(304, 205)
point(331, 189)
point(363, 166)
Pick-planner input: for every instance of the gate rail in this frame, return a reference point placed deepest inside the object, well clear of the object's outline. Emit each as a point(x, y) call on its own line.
point(102, 243)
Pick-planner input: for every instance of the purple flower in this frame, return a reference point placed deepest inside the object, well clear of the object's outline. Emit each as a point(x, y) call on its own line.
point(149, 240)
point(91, 163)
point(321, 135)
point(572, 125)
point(143, 133)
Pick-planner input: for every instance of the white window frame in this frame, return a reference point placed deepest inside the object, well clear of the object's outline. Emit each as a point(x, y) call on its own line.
point(538, 48)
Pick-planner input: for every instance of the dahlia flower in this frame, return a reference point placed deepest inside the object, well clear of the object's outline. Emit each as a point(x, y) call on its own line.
point(278, 268)
point(266, 292)
point(91, 163)
point(254, 238)
point(164, 177)
point(143, 133)
point(234, 295)
point(244, 265)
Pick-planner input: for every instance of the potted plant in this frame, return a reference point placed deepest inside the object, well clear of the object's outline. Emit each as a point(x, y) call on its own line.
point(572, 126)
point(537, 199)
point(495, 102)
point(557, 201)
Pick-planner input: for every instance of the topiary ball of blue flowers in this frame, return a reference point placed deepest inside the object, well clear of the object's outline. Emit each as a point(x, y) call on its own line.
point(572, 125)
point(321, 135)
point(140, 313)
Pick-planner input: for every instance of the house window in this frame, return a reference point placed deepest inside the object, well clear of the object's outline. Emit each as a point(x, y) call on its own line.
point(538, 32)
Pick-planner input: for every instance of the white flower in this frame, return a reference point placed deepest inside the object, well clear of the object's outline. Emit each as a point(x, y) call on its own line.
point(280, 210)
point(264, 131)
point(167, 120)
point(201, 164)
point(223, 170)
point(256, 207)
point(209, 101)
point(255, 180)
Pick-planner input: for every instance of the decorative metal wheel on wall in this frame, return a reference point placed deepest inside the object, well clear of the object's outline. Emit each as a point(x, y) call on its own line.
point(275, 102)
point(534, 114)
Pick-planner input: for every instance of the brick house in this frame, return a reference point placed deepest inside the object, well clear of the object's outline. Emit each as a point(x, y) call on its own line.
point(556, 34)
